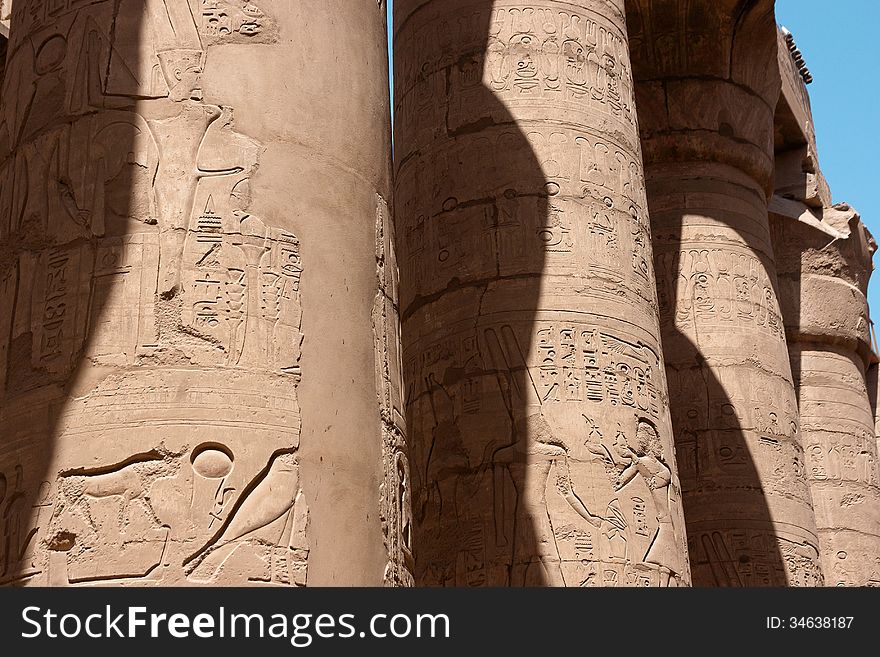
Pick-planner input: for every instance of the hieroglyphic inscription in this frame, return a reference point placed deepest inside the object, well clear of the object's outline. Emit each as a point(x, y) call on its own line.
point(710, 421)
point(718, 287)
point(543, 55)
point(843, 456)
point(235, 21)
point(396, 493)
point(218, 20)
point(599, 494)
point(520, 186)
point(577, 365)
point(841, 462)
point(127, 195)
point(739, 558)
point(587, 219)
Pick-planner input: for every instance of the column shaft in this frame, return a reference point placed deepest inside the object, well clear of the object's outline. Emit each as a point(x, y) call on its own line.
point(194, 302)
point(824, 268)
point(707, 83)
point(536, 395)
point(841, 449)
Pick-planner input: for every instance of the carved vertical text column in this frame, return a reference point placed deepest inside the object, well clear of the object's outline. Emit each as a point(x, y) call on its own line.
point(194, 262)
point(707, 83)
point(535, 387)
point(824, 267)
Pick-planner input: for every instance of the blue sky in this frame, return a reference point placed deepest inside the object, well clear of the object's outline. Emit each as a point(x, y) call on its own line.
point(839, 41)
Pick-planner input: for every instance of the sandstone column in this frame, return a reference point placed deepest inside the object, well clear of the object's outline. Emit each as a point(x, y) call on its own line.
point(873, 380)
point(540, 436)
point(824, 267)
point(707, 83)
point(197, 303)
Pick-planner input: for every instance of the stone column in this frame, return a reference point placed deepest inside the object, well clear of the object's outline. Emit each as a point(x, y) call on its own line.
point(197, 296)
point(707, 83)
point(873, 380)
point(824, 266)
point(536, 393)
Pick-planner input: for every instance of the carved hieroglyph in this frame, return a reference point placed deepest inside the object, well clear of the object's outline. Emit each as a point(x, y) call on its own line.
point(134, 269)
point(396, 502)
point(824, 264)
point(707, 84)
point(541, 445)
point(151, 285)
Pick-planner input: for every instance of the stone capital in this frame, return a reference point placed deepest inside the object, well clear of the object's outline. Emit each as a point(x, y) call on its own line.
point(707, 81)
point(824, 262)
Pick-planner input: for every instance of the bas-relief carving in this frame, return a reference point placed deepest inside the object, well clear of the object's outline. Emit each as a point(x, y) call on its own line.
point(739, 558)
point(846, 457)
point(863, 570)
point(735, 412)
point(153, 251)
point(558, 54)
point(736, 417)
point(169, 518)
point(396, 493)
point(396, 505)
point(825, 266)
point(595, 225)
point(229, 20)
point(19, 523)
point(743, 429)
point(709, 422)
point(721, 288)
point(219, 268)
point(841, 460)
point(599, 488)
point(554, 511)
point(738, 435)
point(839, 437)
point(670, 38)
point(236, 21)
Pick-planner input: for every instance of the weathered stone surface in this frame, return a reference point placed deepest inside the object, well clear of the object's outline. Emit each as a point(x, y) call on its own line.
point(707, 85)
point(872, 376)
point(824, 261)
point(540, 436)
point(203, 374)
point(797, 172)
point(841, 457)
point(198, 318)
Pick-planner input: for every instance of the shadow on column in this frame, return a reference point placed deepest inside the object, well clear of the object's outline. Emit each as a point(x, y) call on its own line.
point(527, 301)
point(734, 544)
point(470, 204)
point(710, 442)
point(75, 194)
